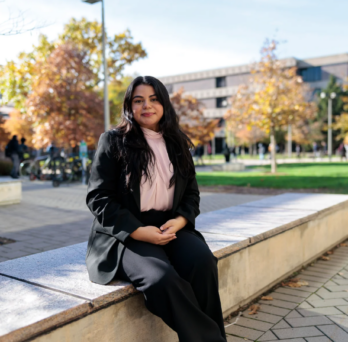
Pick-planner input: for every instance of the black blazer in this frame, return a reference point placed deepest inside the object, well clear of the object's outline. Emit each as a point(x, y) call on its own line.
point(117, 212)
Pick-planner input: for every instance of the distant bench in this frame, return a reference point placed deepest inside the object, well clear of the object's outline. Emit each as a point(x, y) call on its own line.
point(48, 297)
point(10, 191)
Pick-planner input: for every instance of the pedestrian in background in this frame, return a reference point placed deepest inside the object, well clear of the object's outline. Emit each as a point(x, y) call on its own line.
point(199, 154)
point(298, 151)
point(12, 151)
point(226, 153)
point(261, 151)
point(144, 231)
point(23, 150)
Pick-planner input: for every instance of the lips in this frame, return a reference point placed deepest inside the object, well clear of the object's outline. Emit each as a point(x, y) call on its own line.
point(147, 114)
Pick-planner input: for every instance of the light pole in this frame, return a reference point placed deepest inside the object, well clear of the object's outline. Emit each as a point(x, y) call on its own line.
point(329, 122)
point(106, 97)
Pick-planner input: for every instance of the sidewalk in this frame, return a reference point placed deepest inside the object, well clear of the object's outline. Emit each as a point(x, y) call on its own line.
point(266, 161)
point(314, 313)
point(50, 218)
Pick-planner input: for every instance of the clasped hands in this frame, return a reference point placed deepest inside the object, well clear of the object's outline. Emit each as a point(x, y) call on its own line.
point(160, 236)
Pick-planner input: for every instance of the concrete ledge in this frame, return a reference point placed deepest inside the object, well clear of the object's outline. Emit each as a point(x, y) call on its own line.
point(10, 191)
point(257, 244)
point(229, 167)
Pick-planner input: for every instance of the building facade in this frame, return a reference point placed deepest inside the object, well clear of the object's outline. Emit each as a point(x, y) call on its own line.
point(214, 87)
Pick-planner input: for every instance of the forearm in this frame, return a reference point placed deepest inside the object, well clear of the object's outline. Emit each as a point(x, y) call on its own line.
point(182, 222)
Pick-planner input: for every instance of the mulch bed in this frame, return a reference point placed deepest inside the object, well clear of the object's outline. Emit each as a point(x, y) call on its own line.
point(258, 191)
point(4, 241)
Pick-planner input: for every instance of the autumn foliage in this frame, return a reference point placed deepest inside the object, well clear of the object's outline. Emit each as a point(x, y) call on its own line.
point(191, 119)
point(274, 98)
point(56, 88)
point(4, 136)
point(62, 104)
point(19, 124)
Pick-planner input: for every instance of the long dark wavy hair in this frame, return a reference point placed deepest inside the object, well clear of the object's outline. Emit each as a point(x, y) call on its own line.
point(131, 146)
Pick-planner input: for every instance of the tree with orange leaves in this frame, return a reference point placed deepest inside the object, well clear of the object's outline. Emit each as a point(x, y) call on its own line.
point(274, 98)
point(4, 135)
point(62, 104)
point(19, 125)
point(191, 118)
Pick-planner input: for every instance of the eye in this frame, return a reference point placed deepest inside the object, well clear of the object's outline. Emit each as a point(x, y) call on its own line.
point(137, 101)
point(154, 100)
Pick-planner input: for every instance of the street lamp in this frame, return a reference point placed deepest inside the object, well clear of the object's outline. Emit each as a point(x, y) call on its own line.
point(329, 122)
point(106, 97)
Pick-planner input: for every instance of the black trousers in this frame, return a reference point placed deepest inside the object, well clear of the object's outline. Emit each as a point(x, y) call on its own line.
point(179, 282)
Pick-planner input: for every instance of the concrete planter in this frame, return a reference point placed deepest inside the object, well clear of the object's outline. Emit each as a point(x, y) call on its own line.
point(10, 191)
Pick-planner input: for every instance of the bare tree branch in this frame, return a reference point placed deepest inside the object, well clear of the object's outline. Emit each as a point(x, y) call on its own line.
point(18, 23)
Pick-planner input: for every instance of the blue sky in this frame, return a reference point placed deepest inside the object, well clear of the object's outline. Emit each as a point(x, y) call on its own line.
point(190, 35)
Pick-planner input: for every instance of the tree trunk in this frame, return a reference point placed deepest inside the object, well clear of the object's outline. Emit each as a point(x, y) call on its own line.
point(273, 152)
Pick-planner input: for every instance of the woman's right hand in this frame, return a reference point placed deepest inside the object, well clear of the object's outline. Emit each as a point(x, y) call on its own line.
point(152, 235)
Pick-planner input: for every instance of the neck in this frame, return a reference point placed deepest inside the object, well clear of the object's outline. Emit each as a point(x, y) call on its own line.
point(152, 128)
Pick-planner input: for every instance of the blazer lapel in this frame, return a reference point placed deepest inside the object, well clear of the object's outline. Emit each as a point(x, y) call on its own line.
point(136, 195)
point(179, 186)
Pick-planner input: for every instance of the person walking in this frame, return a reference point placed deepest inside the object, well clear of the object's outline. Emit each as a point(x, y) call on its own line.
point(23, 150)
point(298, 151)
point(12, 151)
point(226, 152)
point(144, 196)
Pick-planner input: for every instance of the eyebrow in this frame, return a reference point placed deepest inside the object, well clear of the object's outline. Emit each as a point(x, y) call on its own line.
point(134, 97)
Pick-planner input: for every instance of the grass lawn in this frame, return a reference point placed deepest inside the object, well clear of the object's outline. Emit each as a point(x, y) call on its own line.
point(332, 176)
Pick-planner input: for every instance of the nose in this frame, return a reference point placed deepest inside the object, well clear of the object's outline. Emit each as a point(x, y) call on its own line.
point(146, 104)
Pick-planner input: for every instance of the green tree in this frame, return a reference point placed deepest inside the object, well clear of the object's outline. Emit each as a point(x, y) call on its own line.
point(337, 103)
point(337, 109)
point(87, 36)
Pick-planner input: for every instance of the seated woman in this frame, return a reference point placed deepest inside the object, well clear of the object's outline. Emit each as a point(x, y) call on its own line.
point(144, 196)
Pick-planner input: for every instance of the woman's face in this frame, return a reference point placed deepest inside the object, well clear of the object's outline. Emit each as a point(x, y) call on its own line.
point(147, 110)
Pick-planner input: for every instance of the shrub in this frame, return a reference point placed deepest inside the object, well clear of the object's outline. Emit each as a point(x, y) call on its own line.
point(5, 167)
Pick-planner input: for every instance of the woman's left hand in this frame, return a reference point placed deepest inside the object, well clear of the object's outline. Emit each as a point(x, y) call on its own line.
point(174, 225)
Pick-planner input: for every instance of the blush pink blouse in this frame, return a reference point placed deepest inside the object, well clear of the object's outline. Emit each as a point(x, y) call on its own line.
point(157, 194)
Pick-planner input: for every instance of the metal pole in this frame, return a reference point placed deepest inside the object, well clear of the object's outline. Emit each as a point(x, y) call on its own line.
point(289, 141)
point(106, 97)
point(329, 135)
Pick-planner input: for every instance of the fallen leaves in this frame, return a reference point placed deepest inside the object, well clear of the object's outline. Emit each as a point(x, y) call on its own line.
point(329, 252)
point(295, 282)
point(253, 309)
point(325, 258)
point(266, 298)
point(341, 273)
point(343, 244)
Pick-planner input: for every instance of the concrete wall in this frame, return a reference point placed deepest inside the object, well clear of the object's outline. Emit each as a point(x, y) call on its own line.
point(203, 84)
point(245, 271)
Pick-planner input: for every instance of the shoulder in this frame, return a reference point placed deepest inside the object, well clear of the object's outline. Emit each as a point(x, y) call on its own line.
point(108, 140)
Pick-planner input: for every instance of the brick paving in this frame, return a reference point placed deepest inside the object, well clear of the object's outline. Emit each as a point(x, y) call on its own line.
point(314, 313)
point(49, 218)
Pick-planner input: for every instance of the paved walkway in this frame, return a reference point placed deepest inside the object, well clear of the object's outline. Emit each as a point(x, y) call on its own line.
point(257, 162)
point(50, 218)
point(314, 313)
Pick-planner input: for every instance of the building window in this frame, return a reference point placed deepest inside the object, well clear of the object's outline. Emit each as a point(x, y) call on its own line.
point(311, 74)
point(221, 102)
point(169, 88)
point(220, 82)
